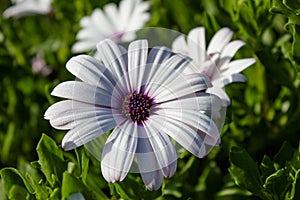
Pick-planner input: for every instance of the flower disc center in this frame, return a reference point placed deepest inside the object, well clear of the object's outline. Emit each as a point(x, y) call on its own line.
point(138, 107)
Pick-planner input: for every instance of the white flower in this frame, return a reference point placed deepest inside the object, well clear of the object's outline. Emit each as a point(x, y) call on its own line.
point(145, 98)
point(28, 7)
point(119, 24)
point(215, 62)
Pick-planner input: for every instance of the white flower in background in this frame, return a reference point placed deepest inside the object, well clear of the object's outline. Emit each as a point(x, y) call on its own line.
point(215, 61)
point(143, 96)
point(119, 24)
point(27, 7)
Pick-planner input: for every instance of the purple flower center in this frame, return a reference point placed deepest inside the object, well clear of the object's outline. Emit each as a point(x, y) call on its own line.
point(137, 107)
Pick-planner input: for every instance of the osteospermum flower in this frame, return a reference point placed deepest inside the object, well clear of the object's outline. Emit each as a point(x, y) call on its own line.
point(143, 96)
point(27, 7)
point(119, 24)
point(215, 61)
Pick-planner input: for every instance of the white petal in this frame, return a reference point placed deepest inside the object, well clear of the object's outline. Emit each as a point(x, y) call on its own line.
point(179, 45)
point(147, 162)
point(90, 70)
point(84, 45)
point(180, 86)
point(133, 14)
point(28, 7)
point(113, 18)
point(163, 149)
point(87, 131)
point(69, 114)
point(115, 59)
point(84, 92)
point(234, 78)
point(196, 44)
point(119, 151)
point(89, 34)
point(152, 180)
point(219, 40)
point(192, 118)
point(237, 66)
point(199, 102)
point(185, 135)
point(166, 73)
point(156, 57)
point(137, 58)
point(220, 92)
point(228, 52)
point(102, 23)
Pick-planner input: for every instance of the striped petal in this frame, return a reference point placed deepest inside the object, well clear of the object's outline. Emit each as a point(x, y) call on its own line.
point(83, 92)
point(119, 151)
point(91, 71)
point(137, 58)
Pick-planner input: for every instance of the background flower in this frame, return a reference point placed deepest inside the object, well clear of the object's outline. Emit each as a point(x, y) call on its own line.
point(215, 61)
point(119, 24)
point(146, 99)
point(27, 7)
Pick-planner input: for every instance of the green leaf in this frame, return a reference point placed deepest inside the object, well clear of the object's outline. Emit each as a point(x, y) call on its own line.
point(83, 161)
point(55, 194)
point(72, 184)
point(12, 178)
point(296, 41)
point(293, 5)
point(285, 7)
point(245, 172)
point(278, 183)
point(41, 190)
point(266, 167)
point(295, 193)
point(17, 192)
point(284, 154)
point(51, 160)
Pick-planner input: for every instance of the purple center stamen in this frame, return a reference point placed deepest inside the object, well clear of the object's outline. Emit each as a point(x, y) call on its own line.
point(137, 107)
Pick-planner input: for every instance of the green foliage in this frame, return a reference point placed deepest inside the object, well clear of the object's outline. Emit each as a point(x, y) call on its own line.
point(277, 179)
point(253, 160)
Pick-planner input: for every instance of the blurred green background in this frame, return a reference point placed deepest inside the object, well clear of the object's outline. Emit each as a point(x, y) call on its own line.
point(259, 155)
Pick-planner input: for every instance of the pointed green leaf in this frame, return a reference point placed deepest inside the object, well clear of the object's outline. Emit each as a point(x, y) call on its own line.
point(266, 167)
point(284, 154)
point(51, 160)
point(245, 171)
point(12, 178)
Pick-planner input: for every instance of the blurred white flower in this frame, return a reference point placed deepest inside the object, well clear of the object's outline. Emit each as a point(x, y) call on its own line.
point(119, 24)
point(39, 65)
point(27, 7)
point(215, 61)
point(145, 98)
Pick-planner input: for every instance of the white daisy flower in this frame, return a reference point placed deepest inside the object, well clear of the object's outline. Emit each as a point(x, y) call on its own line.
point(215, 61)
point(119, 24)
point(143, 96)
point(27, 7)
